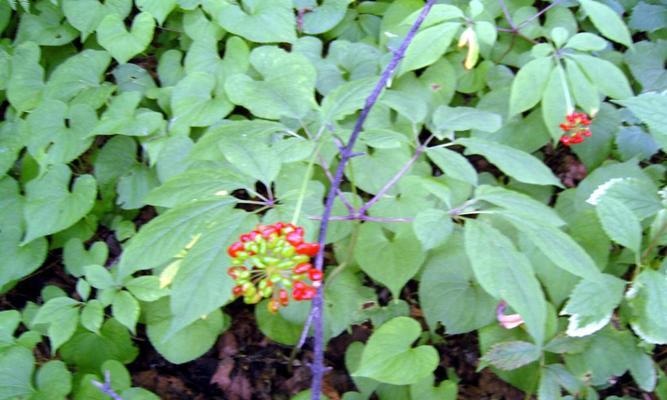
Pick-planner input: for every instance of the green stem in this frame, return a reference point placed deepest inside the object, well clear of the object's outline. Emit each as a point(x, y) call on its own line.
point(304, 184)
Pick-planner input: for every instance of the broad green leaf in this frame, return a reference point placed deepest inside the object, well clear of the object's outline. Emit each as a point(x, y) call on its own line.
point(392, 261)
point(438, 14)
point(383, 138)
point(261, 21)
point(515, 163)
point(506, 274)
point(86, 15)
point(88, 350)
point(125, 309)
point(123, 117)
point(146, 288)
point(188, 344)
point(428, 46)
point(648, 17)
point(54, 380)
point(79, 73)
point(26, 84)
point(9, 321)
point(620, 223)
point(62, 316)
point(46, 27)
point(197, 184)
point(558, 246)
point(345, 298)
point(286, 89)
point(165, 236)
point(465, 118)
point(585, 41)
point(425, 390)
point(98, 276)
point(607, 77)
point(159, 9)
point(554, 102)
point(320, 18)
point(50, 205)
point(529, 84)
point(194, 103)
point(16, 367)
point(592, 303)
point(252, 157)
point(121, 44)
point(583, 91)
point(201, 284)
point(275, 327)
point(643, 371)
point(449, 293)
point(92, 316)
point(453, 164)
point(114, 159)
point(390, 358)
point(76, 257)
point(432, 227)
point(512, 355)
point(518, 203)
point(647, 298)
point(207, 147)
point(346, 99)
point(650, 109)
point(133, 187)
point(606, 20)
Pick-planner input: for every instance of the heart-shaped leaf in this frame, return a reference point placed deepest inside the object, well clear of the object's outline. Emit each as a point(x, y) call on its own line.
point(389, 358)
point(121, 44)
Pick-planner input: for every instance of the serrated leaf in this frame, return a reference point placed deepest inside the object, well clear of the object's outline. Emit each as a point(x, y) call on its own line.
point(146, 288)
point(518, 203)
point(583, 91)
point(346, 99)
point(121, 44)
point(650, 109)
point(585, 41)
point(392, 262)
point(125, 309)
point(98, 276)
point(432, 227)
point(554, 102)
point(428, 46)
point(515, 163)
point(195, 103)
point(592, 303)
point(50, 205)
point(389, 358)
point(512, 355)
point(506, 274)
point(62, 315)
point(88, 350)
point(54, 380)
point(252, 157)
point(647, 298)
point(16, 367)
point(92, 316)
point(465, 118)
point(607, 77)
point(606, 20)
point(620, 223)
point(453, 164)
point(529, 84)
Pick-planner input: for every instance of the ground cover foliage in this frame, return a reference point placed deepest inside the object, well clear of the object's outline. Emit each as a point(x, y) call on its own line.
point(140, 139)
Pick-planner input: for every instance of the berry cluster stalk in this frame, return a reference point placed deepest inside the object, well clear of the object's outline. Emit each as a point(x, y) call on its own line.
point(317, 309)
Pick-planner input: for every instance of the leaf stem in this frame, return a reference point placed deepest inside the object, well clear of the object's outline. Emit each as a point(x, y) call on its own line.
point(317, 366)
point(566, 90)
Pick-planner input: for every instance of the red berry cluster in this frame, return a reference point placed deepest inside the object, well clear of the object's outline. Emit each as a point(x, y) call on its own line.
point(576, 128)
point(278, 260)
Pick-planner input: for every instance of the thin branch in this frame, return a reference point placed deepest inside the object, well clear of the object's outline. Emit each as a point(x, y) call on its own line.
point(106, 386)
point(545, 9)
point(357, 217)
point(317, 366)
point(506, 12)
point(341, 195)
point(420, 149)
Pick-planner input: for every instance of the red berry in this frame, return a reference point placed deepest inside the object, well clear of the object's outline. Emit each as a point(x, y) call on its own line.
point(298, 285)
point(302, 268)
point(315, 275)
point(268, 231)
point(297, 294)
point(298, 230)
point(237, 290)
point(279, 225)
point(273, 306)
point(586, 132)
point(308, 249)
point(309, 292)
point(565, 127)
point(237, 246)
point(231, 271)
point(294, 238)
point(565, 140)
point(283, 297)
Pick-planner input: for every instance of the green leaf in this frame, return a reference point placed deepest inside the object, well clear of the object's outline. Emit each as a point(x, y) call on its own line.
point(607, 77)
point(647, 298)
point(512, 355)
point(428, 46)
point(86, 15)
point(449, 292)
point(321, 17)
point(163, 237)
point(453, 164)
point(506, 274)
point(76, 257)
point(146, 288)
point(189, 343)
point(346, 99)
point(62, 315)
point(606, 20)
point(50, 205)
point(585, 41)
point(558, 246)
point(88, 350)
point(54, 380)
point(390, 358)
point(92, 316)
point(344, 299)
point(275, 327)
point(515, 163)
point(98, 277)
point(390, 261)
point(651, 108)
point(252, 157)
point(620, 223)
point(286, 89)
point(159, 9)
point(261, 21)
point(425, 390)
point(16, 366)
point(583, 91)
point(465, 118)
point(197, 184)
point(592, 304)
point(9, 321)
point(383, 138)
point(529, 84)
point(201, 284)
point(79, 73)
point(432, 227)
point(26, 84)
point(121, 44)
point(194, 101)
point(125, 309)
point(518, 203)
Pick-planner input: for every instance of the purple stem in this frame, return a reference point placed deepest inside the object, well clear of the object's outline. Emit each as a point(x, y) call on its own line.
point(420, 149)
point(545, 9)
point(339, 192)
point(506, 12)
point(106, 386)
point(318, 360)
point(357, 217)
